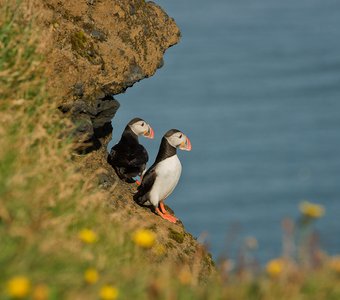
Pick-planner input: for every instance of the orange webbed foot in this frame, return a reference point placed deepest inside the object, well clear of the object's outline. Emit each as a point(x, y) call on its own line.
point(168, 217)
point(165, 214)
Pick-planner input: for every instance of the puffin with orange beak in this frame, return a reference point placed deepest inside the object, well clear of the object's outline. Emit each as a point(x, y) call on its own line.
point(161, 179)
point(128, 157)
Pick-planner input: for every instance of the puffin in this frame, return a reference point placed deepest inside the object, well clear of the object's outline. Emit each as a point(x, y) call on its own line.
point(128, 157)
point(162, 177)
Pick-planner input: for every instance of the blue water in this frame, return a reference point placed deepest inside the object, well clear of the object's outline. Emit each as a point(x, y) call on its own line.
point(256, 87)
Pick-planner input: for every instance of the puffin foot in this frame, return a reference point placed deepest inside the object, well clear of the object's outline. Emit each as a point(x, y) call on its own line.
point(168, 217)
point(164, 211)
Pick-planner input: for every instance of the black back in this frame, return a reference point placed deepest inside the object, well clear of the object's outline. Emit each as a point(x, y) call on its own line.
point(128, 157)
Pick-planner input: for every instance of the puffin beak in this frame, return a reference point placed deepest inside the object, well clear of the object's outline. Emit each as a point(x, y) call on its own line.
point(149, 133)
point(186, 145)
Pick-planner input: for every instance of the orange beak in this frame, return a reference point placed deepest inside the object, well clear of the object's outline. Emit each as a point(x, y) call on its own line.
point(186, 145)
point(149, 133)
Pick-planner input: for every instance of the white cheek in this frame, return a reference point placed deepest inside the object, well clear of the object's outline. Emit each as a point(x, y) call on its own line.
point(174, 142)
point(136, 129)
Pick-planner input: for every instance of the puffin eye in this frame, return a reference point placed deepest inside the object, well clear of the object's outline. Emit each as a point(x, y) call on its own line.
point(180, 136)
point(142, 124)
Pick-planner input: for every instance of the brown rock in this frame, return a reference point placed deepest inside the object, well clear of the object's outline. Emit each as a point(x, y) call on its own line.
point(99, 49)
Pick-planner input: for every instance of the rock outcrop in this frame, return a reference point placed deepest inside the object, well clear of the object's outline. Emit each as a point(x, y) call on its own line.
point(99, 48)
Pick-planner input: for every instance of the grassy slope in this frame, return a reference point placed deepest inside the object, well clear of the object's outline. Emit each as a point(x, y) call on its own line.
point(45, 203)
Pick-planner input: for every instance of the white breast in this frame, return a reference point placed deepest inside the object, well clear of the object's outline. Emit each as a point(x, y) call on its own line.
point(168, 173)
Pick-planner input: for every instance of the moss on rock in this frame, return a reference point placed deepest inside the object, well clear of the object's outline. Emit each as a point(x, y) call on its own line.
point(176, 236)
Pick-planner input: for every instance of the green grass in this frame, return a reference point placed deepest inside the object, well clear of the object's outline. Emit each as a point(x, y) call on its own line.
point(45, 203)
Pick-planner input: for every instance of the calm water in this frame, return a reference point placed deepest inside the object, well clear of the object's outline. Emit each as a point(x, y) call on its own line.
point(256, 87)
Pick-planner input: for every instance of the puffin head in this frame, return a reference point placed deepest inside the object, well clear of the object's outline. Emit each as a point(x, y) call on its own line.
point(178, 139)
point(140, 127)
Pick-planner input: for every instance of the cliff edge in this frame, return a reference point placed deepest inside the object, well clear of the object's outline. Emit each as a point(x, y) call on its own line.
point(97, 50)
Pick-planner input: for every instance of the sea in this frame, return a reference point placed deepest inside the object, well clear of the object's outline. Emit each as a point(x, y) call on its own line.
point(255, 85)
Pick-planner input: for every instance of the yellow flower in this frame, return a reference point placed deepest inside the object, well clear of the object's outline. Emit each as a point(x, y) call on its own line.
point(87, 236)
point(275, 267)
point(91, 276)
point(108, 292)
point(18, 287)
point(335, 264)
point(312, 210)
point(144, 238)
point(41, 292)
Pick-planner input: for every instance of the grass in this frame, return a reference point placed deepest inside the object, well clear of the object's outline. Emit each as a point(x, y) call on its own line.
point(45, 204)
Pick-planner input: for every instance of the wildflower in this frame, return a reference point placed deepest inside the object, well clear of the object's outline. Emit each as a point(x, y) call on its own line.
point(144, 238)
point(275, 267)
point(41, 292)
point(87, 236)
point(18, 287)
point(91, 276)
point(311, 210)
point(335, 264)
point(108, 292)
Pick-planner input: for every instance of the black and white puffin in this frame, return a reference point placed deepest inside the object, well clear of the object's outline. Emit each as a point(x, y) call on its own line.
point(128, 157)
point(162, 177)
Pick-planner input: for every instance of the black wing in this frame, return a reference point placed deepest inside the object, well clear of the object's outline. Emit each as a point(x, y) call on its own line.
point(138, 157)
point(128, 156)
point(113, 155)
point(143, 190)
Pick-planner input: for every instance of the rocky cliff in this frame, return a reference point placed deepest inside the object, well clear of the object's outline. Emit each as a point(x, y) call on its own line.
point(97, 49)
